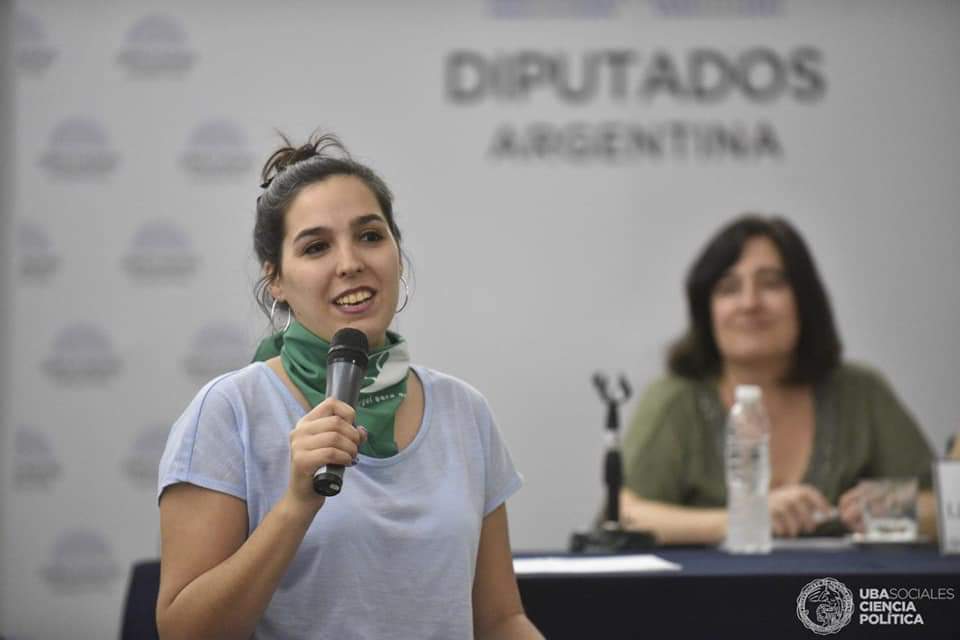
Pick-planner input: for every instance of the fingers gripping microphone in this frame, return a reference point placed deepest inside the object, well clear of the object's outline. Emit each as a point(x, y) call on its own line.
point(346, 366)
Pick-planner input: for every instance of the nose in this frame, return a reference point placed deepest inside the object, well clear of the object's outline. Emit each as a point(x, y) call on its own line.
point(750, 295)
point(348, 261)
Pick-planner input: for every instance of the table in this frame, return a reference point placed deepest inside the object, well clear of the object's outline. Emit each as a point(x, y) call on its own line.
point(717, 595)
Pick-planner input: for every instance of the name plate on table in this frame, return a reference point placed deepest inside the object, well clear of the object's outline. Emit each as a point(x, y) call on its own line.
point(946, 477)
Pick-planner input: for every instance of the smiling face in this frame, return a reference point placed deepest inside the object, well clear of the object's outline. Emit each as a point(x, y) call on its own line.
point(340, 264)
point(753, 309)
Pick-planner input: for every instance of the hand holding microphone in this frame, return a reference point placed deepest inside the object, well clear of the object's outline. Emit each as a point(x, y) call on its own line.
point(325, 440)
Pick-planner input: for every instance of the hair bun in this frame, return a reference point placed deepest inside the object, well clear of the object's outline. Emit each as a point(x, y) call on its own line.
point(318, 145)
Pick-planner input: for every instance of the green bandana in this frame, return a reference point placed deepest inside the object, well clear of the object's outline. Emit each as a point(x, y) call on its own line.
point(304, 358)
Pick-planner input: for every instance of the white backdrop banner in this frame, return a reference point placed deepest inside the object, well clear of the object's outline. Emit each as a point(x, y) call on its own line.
point(557, 165)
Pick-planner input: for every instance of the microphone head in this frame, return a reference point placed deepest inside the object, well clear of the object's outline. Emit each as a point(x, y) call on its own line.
point(349, 344)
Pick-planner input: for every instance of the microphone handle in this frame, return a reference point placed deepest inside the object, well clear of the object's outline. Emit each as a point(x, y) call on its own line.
point(343, 383)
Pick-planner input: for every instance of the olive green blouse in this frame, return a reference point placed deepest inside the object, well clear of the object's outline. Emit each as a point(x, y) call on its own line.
point(673, 450)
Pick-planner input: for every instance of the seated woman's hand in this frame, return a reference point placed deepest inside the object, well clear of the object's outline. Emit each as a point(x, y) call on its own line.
point(796, 509)
point(851, 508)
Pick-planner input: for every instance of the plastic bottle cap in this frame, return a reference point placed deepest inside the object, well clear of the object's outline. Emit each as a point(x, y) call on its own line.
point(746, 393)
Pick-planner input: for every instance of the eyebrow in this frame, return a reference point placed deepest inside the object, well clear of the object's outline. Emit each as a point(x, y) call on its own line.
point(765, 270)
point(730, 273)
point(354, 224)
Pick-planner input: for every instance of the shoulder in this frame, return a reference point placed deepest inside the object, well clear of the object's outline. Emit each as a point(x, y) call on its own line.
point(443, 386)
point(855, 377)
point(233, 387)
point(669, 395)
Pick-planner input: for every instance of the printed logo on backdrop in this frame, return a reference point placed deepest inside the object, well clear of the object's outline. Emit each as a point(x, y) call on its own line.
point(32, 52)
point(37, 261)
point(141, 464)
point(216, 349)
point(81, 560)
point(526, 9)
point(156, 45)
point(628, 78)
point(82, 354)
point(35, 467)
point(79, 148)
point(217, 149)
point(717, 8)
point(825, 606)
point(160, 251)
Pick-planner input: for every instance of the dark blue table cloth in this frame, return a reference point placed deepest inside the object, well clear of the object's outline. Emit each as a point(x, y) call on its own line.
point(714, 595)
point(717, 595)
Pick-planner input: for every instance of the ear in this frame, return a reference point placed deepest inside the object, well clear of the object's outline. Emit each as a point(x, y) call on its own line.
point(276, 290)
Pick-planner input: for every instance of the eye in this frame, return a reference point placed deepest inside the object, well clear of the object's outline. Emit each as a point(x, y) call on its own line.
point(772, 279)
point(726, 286)
point(371, 235)
point(316, 247)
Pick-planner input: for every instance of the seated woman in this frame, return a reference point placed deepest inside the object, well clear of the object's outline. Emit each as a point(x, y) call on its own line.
point(760, 315)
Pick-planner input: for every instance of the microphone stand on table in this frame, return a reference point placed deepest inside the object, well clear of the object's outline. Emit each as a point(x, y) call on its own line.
point(609, 536)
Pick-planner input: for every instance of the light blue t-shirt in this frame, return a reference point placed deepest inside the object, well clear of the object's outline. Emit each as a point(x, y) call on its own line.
point(394, 554)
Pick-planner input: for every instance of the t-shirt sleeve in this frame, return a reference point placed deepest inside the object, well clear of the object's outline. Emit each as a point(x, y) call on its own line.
point(899, 446)
point(655, 446)
point(205, 446)
point(502, 479)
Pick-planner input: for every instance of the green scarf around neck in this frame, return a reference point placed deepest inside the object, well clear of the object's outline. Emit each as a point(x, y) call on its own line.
point(304, 358)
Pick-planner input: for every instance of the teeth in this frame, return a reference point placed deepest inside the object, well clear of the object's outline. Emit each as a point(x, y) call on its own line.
point(354, 298)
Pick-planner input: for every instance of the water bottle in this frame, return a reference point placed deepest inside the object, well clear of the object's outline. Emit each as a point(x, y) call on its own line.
point(748, 474)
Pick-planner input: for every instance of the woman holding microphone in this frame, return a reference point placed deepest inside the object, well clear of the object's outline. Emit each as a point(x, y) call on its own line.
point(415, 545)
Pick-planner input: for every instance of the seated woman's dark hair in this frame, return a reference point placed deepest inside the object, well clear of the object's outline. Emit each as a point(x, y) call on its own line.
point(695, 355)
point(288, 170)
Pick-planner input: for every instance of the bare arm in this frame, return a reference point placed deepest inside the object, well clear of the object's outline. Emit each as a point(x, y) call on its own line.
point(215, 582)
point(672, 524)
point(212, 583)
point(497, 610)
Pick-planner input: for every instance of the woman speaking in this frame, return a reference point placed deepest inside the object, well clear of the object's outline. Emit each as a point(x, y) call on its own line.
point(415, 545)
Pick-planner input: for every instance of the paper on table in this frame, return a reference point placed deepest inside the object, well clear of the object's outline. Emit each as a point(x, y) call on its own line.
point(817, 543)
point(592, 564)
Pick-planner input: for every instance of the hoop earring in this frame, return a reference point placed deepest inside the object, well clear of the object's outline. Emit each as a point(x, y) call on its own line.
point(406, 294)
point(273, 311)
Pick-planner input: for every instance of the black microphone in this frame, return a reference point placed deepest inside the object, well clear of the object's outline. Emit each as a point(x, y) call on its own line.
point(346, 367)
